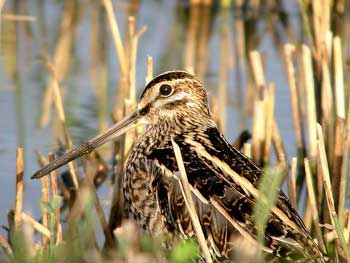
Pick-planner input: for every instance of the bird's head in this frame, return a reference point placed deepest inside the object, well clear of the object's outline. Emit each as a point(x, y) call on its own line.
point(172, 97)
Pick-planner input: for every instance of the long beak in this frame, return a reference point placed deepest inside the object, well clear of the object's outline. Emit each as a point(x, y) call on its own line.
point(116, 130)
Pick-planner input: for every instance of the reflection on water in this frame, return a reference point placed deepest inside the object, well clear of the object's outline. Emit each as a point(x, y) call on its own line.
point(75, 35)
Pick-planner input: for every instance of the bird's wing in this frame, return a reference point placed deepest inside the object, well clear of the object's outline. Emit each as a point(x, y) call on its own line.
point(172, 206)
point(226, 181)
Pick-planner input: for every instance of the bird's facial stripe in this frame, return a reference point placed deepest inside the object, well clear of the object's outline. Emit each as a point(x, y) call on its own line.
point(178, 97)
point(143, 111)
point(247, 186)
point(169, 77)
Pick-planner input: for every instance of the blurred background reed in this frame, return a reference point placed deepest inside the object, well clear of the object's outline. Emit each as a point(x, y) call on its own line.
point(68, 69)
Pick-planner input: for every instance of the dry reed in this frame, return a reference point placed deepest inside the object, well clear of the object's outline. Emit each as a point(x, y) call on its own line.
point(41, 228)
point(187, 195)
point(45, 200)
point(116, 36)
point(292, 183)
point(312, 200)
point(296, 111)
point(19, 188)
point(58, 101)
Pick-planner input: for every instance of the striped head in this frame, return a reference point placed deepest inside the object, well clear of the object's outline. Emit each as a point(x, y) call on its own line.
point(172, 94)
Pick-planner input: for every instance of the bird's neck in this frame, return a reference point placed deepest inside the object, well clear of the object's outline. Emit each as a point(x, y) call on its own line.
point(159, 135)
point(183, 121)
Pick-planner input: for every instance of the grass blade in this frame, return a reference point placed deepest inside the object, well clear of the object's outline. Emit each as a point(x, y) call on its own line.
point(187, 194)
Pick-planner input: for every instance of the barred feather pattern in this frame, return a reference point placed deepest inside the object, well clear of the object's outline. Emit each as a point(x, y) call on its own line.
point(224, 203)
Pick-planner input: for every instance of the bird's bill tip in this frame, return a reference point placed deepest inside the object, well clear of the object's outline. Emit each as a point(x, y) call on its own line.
point(71, 155)
point(116, 130)
point(37, 175)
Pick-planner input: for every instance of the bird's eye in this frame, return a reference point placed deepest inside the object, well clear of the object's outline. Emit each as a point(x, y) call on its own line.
point(165, 90)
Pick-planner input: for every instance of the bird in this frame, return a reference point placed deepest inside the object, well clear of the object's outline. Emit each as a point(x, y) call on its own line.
point(223, 181)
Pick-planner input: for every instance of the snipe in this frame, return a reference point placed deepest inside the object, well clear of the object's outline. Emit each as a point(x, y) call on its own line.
point(223, 180)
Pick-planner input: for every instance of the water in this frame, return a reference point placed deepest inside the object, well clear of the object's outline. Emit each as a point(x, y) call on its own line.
point(24, 76)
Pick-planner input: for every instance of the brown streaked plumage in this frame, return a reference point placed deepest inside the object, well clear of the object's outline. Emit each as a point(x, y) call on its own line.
point(223, 181)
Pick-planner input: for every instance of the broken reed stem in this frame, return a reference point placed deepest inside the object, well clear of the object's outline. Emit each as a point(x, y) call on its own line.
point(327, 102)
point(316, 23)
point(149, 74)
point(60, 112)
point(130, 102)
point(340, 117)
point(320, 22)
point(260, 119)
point(187, 195)
point(19, 188)
point(270, 106)
point(310, 100)
point(313, 204)
point(328, 190)
point(57, 212)
point(258, 71)
point(43, 230)
point(116, 36)
point(45, 200)
point(289, 49)
point(338, 78)
point(292, 183)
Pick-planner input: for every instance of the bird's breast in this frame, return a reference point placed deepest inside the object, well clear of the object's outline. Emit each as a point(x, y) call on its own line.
point(139, 186)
